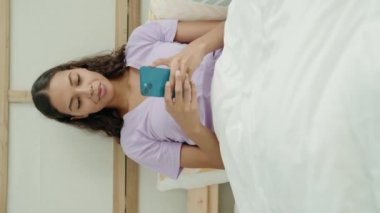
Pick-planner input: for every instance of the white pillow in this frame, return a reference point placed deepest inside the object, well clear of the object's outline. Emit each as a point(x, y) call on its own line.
point(192, 178)
point(186, 10)
point(223, 3)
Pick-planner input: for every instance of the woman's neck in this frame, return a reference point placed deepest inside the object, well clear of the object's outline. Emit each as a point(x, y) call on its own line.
point(122, 89)
point(127, 91)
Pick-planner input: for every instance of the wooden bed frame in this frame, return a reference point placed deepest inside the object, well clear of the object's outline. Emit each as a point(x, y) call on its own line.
point(125, 187)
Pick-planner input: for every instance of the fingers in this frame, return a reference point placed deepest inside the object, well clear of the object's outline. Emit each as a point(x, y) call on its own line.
point(184, 69)
point(175, 63)
point(161, 61)
point(168, 95)
point(187, 91)
point(172, 64)
point(178, 90)
point(185, 94)
point(173, 70)
point(194, 101)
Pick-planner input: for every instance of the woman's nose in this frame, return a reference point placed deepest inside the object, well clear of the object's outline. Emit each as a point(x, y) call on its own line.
point(85, 90)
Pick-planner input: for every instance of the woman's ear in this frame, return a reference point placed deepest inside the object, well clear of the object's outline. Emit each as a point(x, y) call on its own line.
point(78, 117)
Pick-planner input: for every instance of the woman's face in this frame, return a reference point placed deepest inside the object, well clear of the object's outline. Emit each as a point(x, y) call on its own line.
point(79, 92)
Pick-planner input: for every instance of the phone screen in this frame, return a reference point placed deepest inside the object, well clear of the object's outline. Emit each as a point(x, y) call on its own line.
point(153, 80)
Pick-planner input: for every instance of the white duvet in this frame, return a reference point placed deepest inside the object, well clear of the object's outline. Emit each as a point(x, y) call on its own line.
point(296, 105)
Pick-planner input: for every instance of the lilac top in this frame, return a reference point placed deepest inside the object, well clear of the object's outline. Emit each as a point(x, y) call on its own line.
point(150, 136)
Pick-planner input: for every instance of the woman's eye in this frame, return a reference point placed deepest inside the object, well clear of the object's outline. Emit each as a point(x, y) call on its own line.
point(79, 103)
point(78, 81)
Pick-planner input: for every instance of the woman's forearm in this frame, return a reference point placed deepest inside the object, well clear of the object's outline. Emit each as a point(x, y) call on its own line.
point(208, 143)
point(192, 55)
point(212, 40)
point(188, 31)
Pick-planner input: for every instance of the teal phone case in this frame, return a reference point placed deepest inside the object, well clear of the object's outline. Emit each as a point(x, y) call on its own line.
point(153, 80)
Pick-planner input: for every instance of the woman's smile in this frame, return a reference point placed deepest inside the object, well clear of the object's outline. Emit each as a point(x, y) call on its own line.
point(102, 91)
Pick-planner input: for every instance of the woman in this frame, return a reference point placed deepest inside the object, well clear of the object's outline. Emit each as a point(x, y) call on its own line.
point(103, 93)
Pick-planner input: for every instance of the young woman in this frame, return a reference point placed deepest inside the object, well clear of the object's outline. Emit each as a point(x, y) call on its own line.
point(103, 93)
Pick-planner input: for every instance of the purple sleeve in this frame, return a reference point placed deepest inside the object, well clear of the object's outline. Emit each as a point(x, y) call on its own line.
point(161, 156)
point(145, 37)
point(159, 30)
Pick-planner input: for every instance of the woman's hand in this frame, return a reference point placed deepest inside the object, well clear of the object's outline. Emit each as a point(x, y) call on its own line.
point(186, 61)
point(191, 56)
point(184, 107)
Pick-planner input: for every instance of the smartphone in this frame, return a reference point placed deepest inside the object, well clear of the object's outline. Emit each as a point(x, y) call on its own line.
point(153, 80)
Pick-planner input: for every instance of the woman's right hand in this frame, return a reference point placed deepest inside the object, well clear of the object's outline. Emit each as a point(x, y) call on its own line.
point(184, 107)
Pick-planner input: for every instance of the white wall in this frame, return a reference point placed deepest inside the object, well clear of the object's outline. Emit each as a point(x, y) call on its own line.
point(55, 167)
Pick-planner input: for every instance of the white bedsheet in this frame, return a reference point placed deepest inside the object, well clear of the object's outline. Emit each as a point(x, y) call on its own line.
point(296, 105)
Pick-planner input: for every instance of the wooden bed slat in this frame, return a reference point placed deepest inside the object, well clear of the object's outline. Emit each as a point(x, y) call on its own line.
point(213, 197)
point(118, 178)
point(203, 200)
point(197, 200)
point(119, 172)
point(132, 187)
point(132, 167)
point(4, 104)
point(127, 18)
point(134, 15)
point(18, 96)
point(121, 22)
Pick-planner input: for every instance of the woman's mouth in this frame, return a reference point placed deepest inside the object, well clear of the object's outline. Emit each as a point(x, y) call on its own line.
point(101, 90)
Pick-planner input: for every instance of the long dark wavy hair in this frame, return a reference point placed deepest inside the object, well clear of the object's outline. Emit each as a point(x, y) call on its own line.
point(108, 120)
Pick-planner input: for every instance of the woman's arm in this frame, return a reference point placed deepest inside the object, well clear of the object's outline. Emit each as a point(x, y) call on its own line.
point(207, 35)
point(206, 154)
point(184, 109)
point(211, 38)
point(188, 31)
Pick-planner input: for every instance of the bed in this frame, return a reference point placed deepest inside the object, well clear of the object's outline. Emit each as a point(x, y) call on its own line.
point(296, 105)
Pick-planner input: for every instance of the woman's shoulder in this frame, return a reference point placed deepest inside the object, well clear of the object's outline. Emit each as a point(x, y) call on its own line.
point(153, 31)
point(136, 128)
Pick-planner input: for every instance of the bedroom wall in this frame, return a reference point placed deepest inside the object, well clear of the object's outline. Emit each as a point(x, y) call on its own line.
point(55, 167)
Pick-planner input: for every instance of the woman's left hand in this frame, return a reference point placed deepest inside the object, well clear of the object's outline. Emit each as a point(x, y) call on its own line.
point(184, 107)
point(185, 61)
